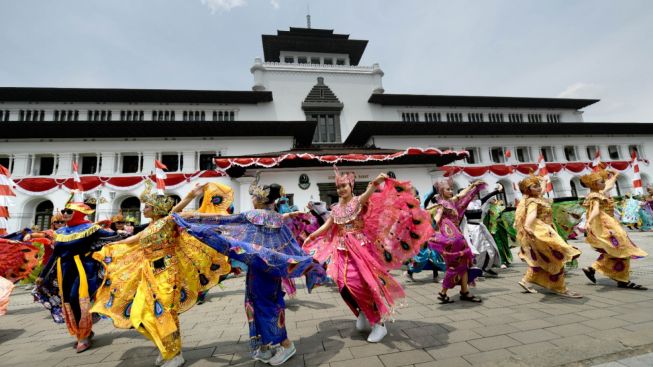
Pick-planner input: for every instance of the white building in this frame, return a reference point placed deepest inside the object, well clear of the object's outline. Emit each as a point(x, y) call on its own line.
point(310, 95)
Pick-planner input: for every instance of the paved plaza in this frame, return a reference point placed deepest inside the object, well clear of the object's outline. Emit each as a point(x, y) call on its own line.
point(610, 327)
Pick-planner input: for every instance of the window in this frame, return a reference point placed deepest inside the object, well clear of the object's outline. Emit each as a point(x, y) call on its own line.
point(315, 60)
point(474, 156)
point(89, 164)
point(635, 149)
point(44, 165)
point(128, 115)
point(433, 117)
point(174, 161)
point(534, 117)
point(194, 116)
point(328, 61)
point(591, 151)
point(548, 154)
point(496, 117)
point(497, 155)
point(7, 162)
point(97, 115)
point(475, 117)
point(224, 115)
point(302, 60)
point(289, 59)
point(205, 162)
point(570, 153)
point(613, 152)
point(4, 115)
point(409, 116)
point(515, 117)
point(131, 163)
point(454, 117)
point(552, 117)
point(163, 115)
point(523, 154)
point(328, 129)
point(340, 61)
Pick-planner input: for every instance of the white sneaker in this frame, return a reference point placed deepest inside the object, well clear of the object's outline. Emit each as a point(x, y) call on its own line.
point(282, 354)
point(361, 323)
point(378, 333)
point(177, 361)
point(159, 360)
point(262, 355)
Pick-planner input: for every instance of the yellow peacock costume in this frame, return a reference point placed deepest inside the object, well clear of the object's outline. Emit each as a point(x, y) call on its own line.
point(149, 282)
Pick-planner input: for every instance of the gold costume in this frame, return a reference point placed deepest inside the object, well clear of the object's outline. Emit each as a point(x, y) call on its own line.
point(608, 237)
point(546, 253)
point(147, 284)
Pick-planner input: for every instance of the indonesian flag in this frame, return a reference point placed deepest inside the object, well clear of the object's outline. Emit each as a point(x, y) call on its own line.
point(544, 173)
point(637, 178)
point(596, 162)
point(78, 196)
point(160, 176)
point(6, 192)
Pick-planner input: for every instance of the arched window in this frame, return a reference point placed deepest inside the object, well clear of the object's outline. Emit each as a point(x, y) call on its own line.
point(131, 207)
point(43, 214)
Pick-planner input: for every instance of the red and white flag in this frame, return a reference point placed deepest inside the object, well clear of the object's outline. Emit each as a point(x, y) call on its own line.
point(544, 173)
point(637, 178)
point(160, 177)
point(78, 196)
point(507, 153)
point(596, 162)
point(6, 185)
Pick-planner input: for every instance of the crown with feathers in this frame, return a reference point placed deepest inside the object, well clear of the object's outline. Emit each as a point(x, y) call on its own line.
point(162, 204)
point(347, 177)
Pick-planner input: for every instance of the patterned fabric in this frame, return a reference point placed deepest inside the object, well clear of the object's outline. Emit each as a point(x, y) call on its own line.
point(450, 242)
point(566, 216)
point(646, 213)
point(265, 309)
point(426, 259)
point(546, 253)
point(366, 241)
point(17, 259)
point(630, 211)
point(5, 291)
point(149, 283)
point(608, 237)
point(496, 227)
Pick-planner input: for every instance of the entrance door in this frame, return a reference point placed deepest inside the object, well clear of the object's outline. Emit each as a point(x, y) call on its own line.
point(43, 214)
point(329, 195)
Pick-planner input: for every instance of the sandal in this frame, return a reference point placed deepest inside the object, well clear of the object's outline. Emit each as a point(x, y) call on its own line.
point(631, 285)
point(89, 338)
point(526, 288)
point(589, 273)
point(444, 299)
point(569, 294)
point(81, 347)
point(469, 298)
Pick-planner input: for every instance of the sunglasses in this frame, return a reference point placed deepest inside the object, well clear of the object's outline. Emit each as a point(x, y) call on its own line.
point(67, 211)
point(59, 222)
point(119, 222)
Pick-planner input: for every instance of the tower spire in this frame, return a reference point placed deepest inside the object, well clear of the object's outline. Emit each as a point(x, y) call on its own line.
point(308, 15)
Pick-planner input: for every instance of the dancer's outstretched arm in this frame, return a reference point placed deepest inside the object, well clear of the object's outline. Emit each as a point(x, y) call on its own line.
point(371, 187)
point(195, 192)
point(610, 182)
point(325, 227)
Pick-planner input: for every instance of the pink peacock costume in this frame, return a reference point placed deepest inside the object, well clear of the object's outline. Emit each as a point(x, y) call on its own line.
point(368, 240)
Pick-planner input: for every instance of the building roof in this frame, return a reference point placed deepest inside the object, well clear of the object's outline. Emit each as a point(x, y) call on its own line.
point(477, 101)
point(312, 40)
point(19, 94)
point(302, 131)
point(364, 130)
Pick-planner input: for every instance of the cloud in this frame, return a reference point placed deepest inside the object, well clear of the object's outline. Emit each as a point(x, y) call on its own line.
point(275, 4)
point(219, 6)
point(582, 90)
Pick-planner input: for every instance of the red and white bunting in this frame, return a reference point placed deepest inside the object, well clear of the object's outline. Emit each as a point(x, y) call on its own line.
point(6, 192)
point(637, 178)
point(78, 195)
point(544, 173)
point(160, 177)
point(596, 162)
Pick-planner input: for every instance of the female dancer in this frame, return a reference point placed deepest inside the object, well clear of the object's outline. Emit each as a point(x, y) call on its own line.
point(260, 239)
point(364, 237)
point(450, 242)
point(494, 224)
point(68, 282)
point(542, 248)
point(605, 233)
point(427, 258)
point(156, 274)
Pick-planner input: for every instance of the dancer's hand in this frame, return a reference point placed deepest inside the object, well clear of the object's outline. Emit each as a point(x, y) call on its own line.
point(197, 190)
point(380, 178)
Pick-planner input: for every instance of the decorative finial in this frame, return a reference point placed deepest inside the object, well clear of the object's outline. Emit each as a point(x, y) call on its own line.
point(308, 15)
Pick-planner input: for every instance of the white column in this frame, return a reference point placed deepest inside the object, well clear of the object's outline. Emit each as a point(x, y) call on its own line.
point(65, 167)
point(21, 165)
point(190, 162)
point(243, 202)
point(559, 153)
point(486, 157)
point(148, 162)
point(257, 70)
point(108, 163)
point(513, 155)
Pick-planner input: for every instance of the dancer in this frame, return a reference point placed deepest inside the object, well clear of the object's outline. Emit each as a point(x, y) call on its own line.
point(450, 242)
point(542, 248)
point(479, 237)
point(155, 275)
point(364, 237)
point(260, 239)
point(67, 283)
point(426, 259)
point(494, 224)
point(646, 211)
point(606, 234)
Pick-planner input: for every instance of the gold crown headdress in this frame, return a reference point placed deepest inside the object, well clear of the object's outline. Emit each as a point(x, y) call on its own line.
point(259, 193)
point(527, 182)
point(161, 204)
point(347, 177)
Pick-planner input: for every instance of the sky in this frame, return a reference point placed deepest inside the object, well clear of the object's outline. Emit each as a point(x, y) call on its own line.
point(531, 48)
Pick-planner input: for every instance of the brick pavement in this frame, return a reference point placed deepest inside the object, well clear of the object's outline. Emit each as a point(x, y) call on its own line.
point(609, 327)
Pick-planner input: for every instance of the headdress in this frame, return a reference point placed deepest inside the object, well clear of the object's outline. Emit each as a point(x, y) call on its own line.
point(217, 198)
point(80, 207)
point(440, 185)
point(526, 183)
point(161, 204)
point(591, 179)
point(259, 193)
point(118, 217)
point(347, 177)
